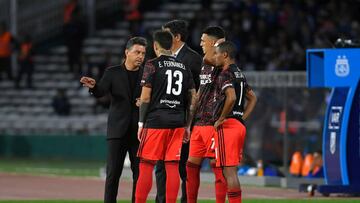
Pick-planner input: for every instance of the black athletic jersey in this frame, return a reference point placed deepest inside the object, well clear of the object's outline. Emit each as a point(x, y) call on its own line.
point(204, 112)
point(231, 77)
point(170, 82)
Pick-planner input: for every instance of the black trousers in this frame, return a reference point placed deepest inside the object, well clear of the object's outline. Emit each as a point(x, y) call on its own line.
point(74, 53)
point(160, 174)
point(5, 66)
point(27, 68)
point(117, 149)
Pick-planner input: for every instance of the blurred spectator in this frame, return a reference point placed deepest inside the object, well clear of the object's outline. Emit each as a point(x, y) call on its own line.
point(260, 168)
point(26, 62)
point(6, 44)
point(307, 165)
point(272, 35)
point(133, 16)
point(316, 169)
point(61, 104)
point(75, 33)
point(70, 8)
point(296, 164)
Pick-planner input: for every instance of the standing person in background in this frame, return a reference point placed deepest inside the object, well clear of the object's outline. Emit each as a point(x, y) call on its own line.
point(26, 62)
point(316, 168)
point(133, 16)
point(61, 103)
point(70, 7)
point(75, 33)
point(122, 82)
point(166, 101)
point(6, 43)
point(192, 60)
point(202, 135)
point(230, 111)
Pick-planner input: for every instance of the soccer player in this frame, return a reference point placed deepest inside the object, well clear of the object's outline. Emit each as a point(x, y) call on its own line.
point(202, 136)
point(231, 91)
point(192, 60)
point(167, 98)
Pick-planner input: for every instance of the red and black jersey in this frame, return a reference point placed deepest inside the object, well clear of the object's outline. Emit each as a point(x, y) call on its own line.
point(204, 113)
point(234, 78)
point(170, 82)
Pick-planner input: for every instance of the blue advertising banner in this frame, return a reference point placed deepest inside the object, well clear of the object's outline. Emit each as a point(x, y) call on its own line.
point(340, 70)
point(331, 136)
point(353, 140)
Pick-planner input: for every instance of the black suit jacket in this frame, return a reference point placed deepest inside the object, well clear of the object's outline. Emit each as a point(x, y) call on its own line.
point(123, 112)
point(191, 59)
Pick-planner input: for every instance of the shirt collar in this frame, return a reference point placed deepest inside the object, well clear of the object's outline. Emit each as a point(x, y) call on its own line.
point(176, 53)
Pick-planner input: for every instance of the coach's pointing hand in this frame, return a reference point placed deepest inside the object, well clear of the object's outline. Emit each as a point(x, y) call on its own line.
point(88, 82)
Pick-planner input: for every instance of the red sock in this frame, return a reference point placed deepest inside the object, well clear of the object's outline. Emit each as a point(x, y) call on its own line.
point(220, 184)
point(172, 181)
point(192, 181)
point(144, 182)
point(234, 195)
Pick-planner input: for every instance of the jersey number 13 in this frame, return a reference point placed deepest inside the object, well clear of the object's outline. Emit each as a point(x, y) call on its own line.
point(178, 79)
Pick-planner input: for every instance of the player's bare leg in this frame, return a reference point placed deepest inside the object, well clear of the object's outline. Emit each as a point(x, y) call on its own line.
point(195, 160)
point(233, 184)
point(193, 181)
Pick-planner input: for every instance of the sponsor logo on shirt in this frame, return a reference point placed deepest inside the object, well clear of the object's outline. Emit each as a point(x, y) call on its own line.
point(170, 103)
point(238, 113)
point(205, 79)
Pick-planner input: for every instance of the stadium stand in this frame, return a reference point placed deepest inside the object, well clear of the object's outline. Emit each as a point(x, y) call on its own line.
point(273, 48)
point(29, 111)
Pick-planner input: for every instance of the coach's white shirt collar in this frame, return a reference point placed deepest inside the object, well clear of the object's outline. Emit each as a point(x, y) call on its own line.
point(178, 50)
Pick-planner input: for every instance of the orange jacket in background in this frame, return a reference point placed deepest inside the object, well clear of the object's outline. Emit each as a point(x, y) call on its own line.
point(307, 165)
point(69, 9)
point(296, 164)
point(5, 45)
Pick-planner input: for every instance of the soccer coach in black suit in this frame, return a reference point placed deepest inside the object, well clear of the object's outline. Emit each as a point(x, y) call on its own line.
point(192, 60)
point(122, 82)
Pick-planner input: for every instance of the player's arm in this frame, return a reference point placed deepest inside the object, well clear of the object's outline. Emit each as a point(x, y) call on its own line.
point(143, 108)
point(145, 97)
point(192, 98)
point(250, 104)
point(190, 111)
point(144, 103)
point(230, 98)
point(197, 98)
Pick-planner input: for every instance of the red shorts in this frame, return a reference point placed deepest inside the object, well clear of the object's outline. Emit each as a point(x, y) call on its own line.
point(161, 144)
point(202, 142)
point(229, 143)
